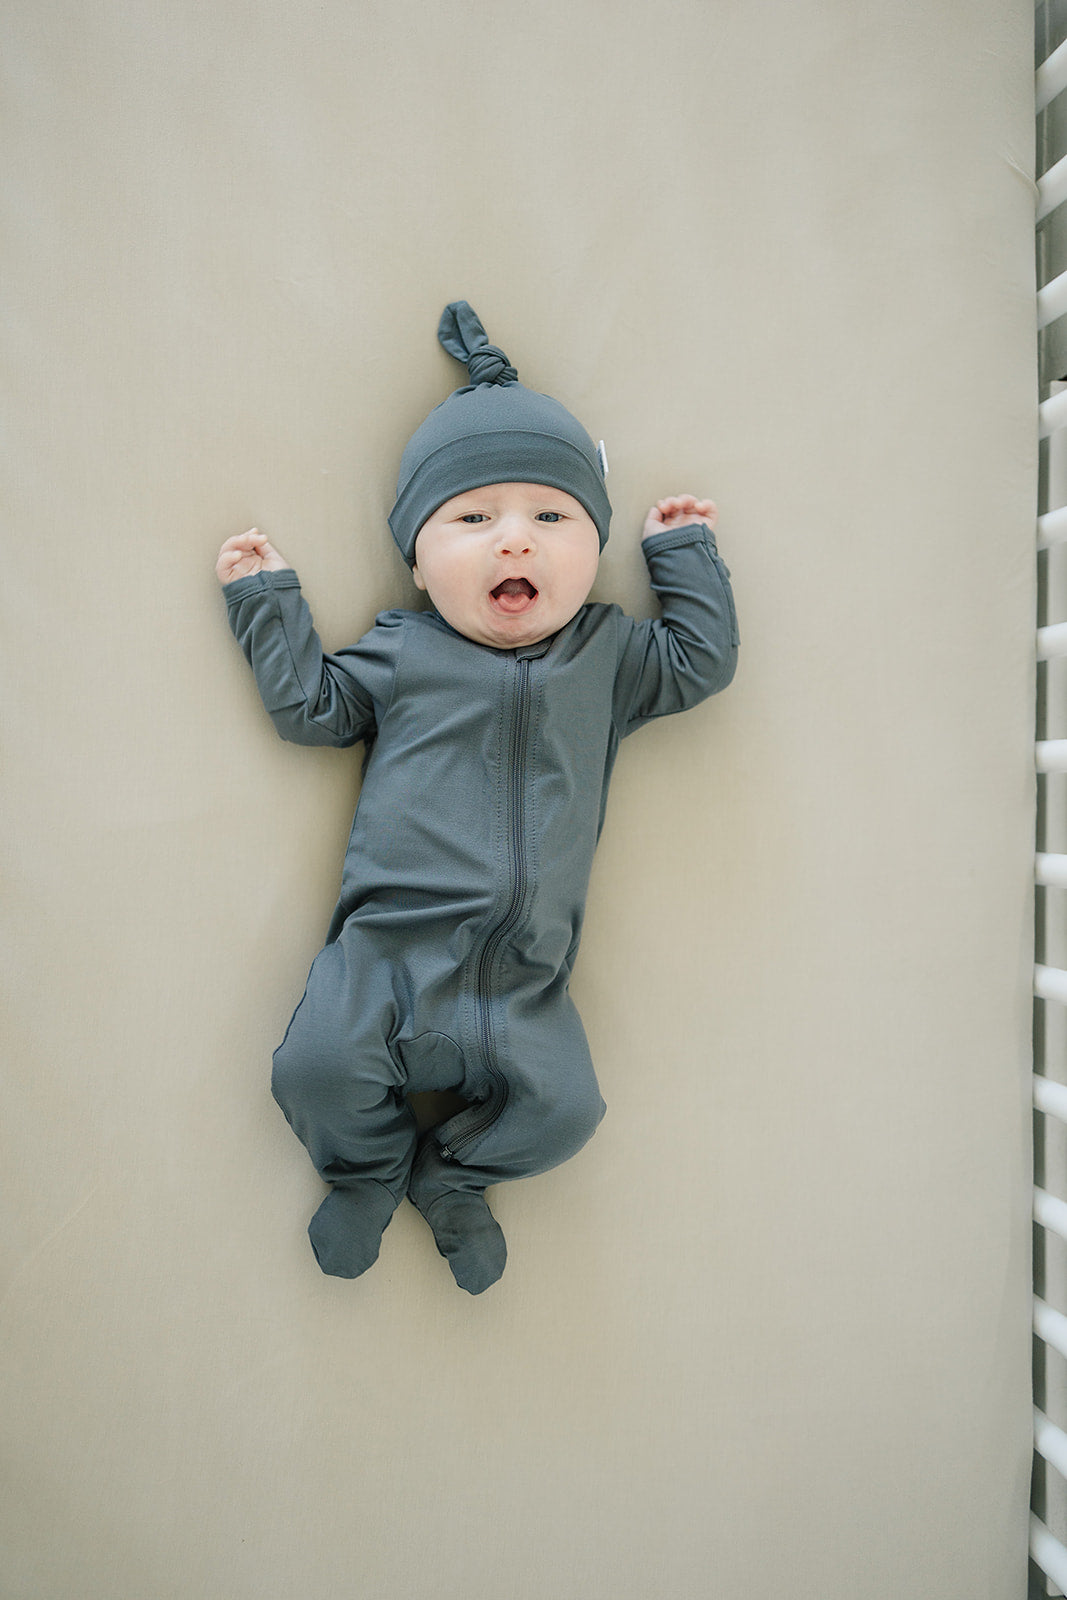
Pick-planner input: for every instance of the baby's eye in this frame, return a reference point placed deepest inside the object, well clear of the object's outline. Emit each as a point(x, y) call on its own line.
point(473, 516)
point(549, 516)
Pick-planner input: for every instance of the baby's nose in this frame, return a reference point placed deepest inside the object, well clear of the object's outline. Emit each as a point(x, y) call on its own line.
point(515, 537)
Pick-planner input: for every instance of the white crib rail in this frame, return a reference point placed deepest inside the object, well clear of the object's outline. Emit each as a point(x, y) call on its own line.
point(1048, 1524)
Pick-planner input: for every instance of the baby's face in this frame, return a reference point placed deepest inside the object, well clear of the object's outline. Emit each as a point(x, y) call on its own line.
point(509, 564)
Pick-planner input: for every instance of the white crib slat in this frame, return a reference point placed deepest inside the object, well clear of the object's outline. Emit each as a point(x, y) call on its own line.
point(1050, 1442)
point(1048, 1552)
point(1051, 755)
point(1050, 1326)
point(1051, 1098)
point(1051, 189)
point(1050, 1213)
point(1052, 301)
point(1051, 870)
point(1052, 414)
point(1052, 527)
point(1050, 983)
point(1052, 641)
point(1050, 79)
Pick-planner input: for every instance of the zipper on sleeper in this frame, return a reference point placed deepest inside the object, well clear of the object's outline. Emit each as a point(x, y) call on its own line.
point(491, 948)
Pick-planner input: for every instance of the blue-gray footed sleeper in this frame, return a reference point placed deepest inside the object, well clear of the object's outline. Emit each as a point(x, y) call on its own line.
point(448, 958)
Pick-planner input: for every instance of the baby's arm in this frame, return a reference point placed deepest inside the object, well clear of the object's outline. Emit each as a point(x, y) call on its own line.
point(313, 698)
point(674, 661)
point(679, 511)
point(247, 553)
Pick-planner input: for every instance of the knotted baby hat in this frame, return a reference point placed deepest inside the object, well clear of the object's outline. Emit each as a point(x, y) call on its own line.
point(493, 430)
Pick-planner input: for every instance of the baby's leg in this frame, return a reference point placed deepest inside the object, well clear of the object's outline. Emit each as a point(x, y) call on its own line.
point(465, 1231)
point(552, 1107)
point(343, 1094)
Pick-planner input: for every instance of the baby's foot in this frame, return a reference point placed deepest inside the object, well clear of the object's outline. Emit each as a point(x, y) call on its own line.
point(469, 1238)
point(346, 1231)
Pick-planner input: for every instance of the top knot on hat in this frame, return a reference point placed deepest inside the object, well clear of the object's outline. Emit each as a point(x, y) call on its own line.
point(461, 332)
point(492, 430)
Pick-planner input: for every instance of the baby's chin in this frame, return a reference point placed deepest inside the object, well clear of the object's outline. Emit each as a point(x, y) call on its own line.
point(515, 635)
point(502, 632)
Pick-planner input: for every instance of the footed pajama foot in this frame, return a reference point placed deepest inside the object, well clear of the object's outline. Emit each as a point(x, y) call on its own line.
point(346, 1231)
point(469, 1238)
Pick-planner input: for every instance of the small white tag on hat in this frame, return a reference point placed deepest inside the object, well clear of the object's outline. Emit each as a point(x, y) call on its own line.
point(603, 455)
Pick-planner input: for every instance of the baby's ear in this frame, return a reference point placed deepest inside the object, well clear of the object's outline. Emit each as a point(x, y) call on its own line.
point(417, 575)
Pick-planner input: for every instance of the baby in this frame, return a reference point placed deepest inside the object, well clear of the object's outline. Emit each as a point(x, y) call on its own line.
point(491, 724)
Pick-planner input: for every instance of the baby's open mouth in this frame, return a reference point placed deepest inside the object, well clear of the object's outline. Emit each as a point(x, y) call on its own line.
point(514, 595)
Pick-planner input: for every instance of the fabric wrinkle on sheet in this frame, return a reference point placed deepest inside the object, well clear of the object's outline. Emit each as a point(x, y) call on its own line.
point(449, 954)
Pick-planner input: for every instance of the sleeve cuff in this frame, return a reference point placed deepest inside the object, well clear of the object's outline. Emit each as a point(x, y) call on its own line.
point(259, 583)
point(675, 538)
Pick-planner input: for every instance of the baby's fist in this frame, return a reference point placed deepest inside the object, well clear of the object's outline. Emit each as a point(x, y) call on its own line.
point(678, 511)
point(245, 554)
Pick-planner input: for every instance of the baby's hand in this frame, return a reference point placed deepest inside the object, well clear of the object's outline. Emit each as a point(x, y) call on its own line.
point(247, 553)
point(678, 511)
